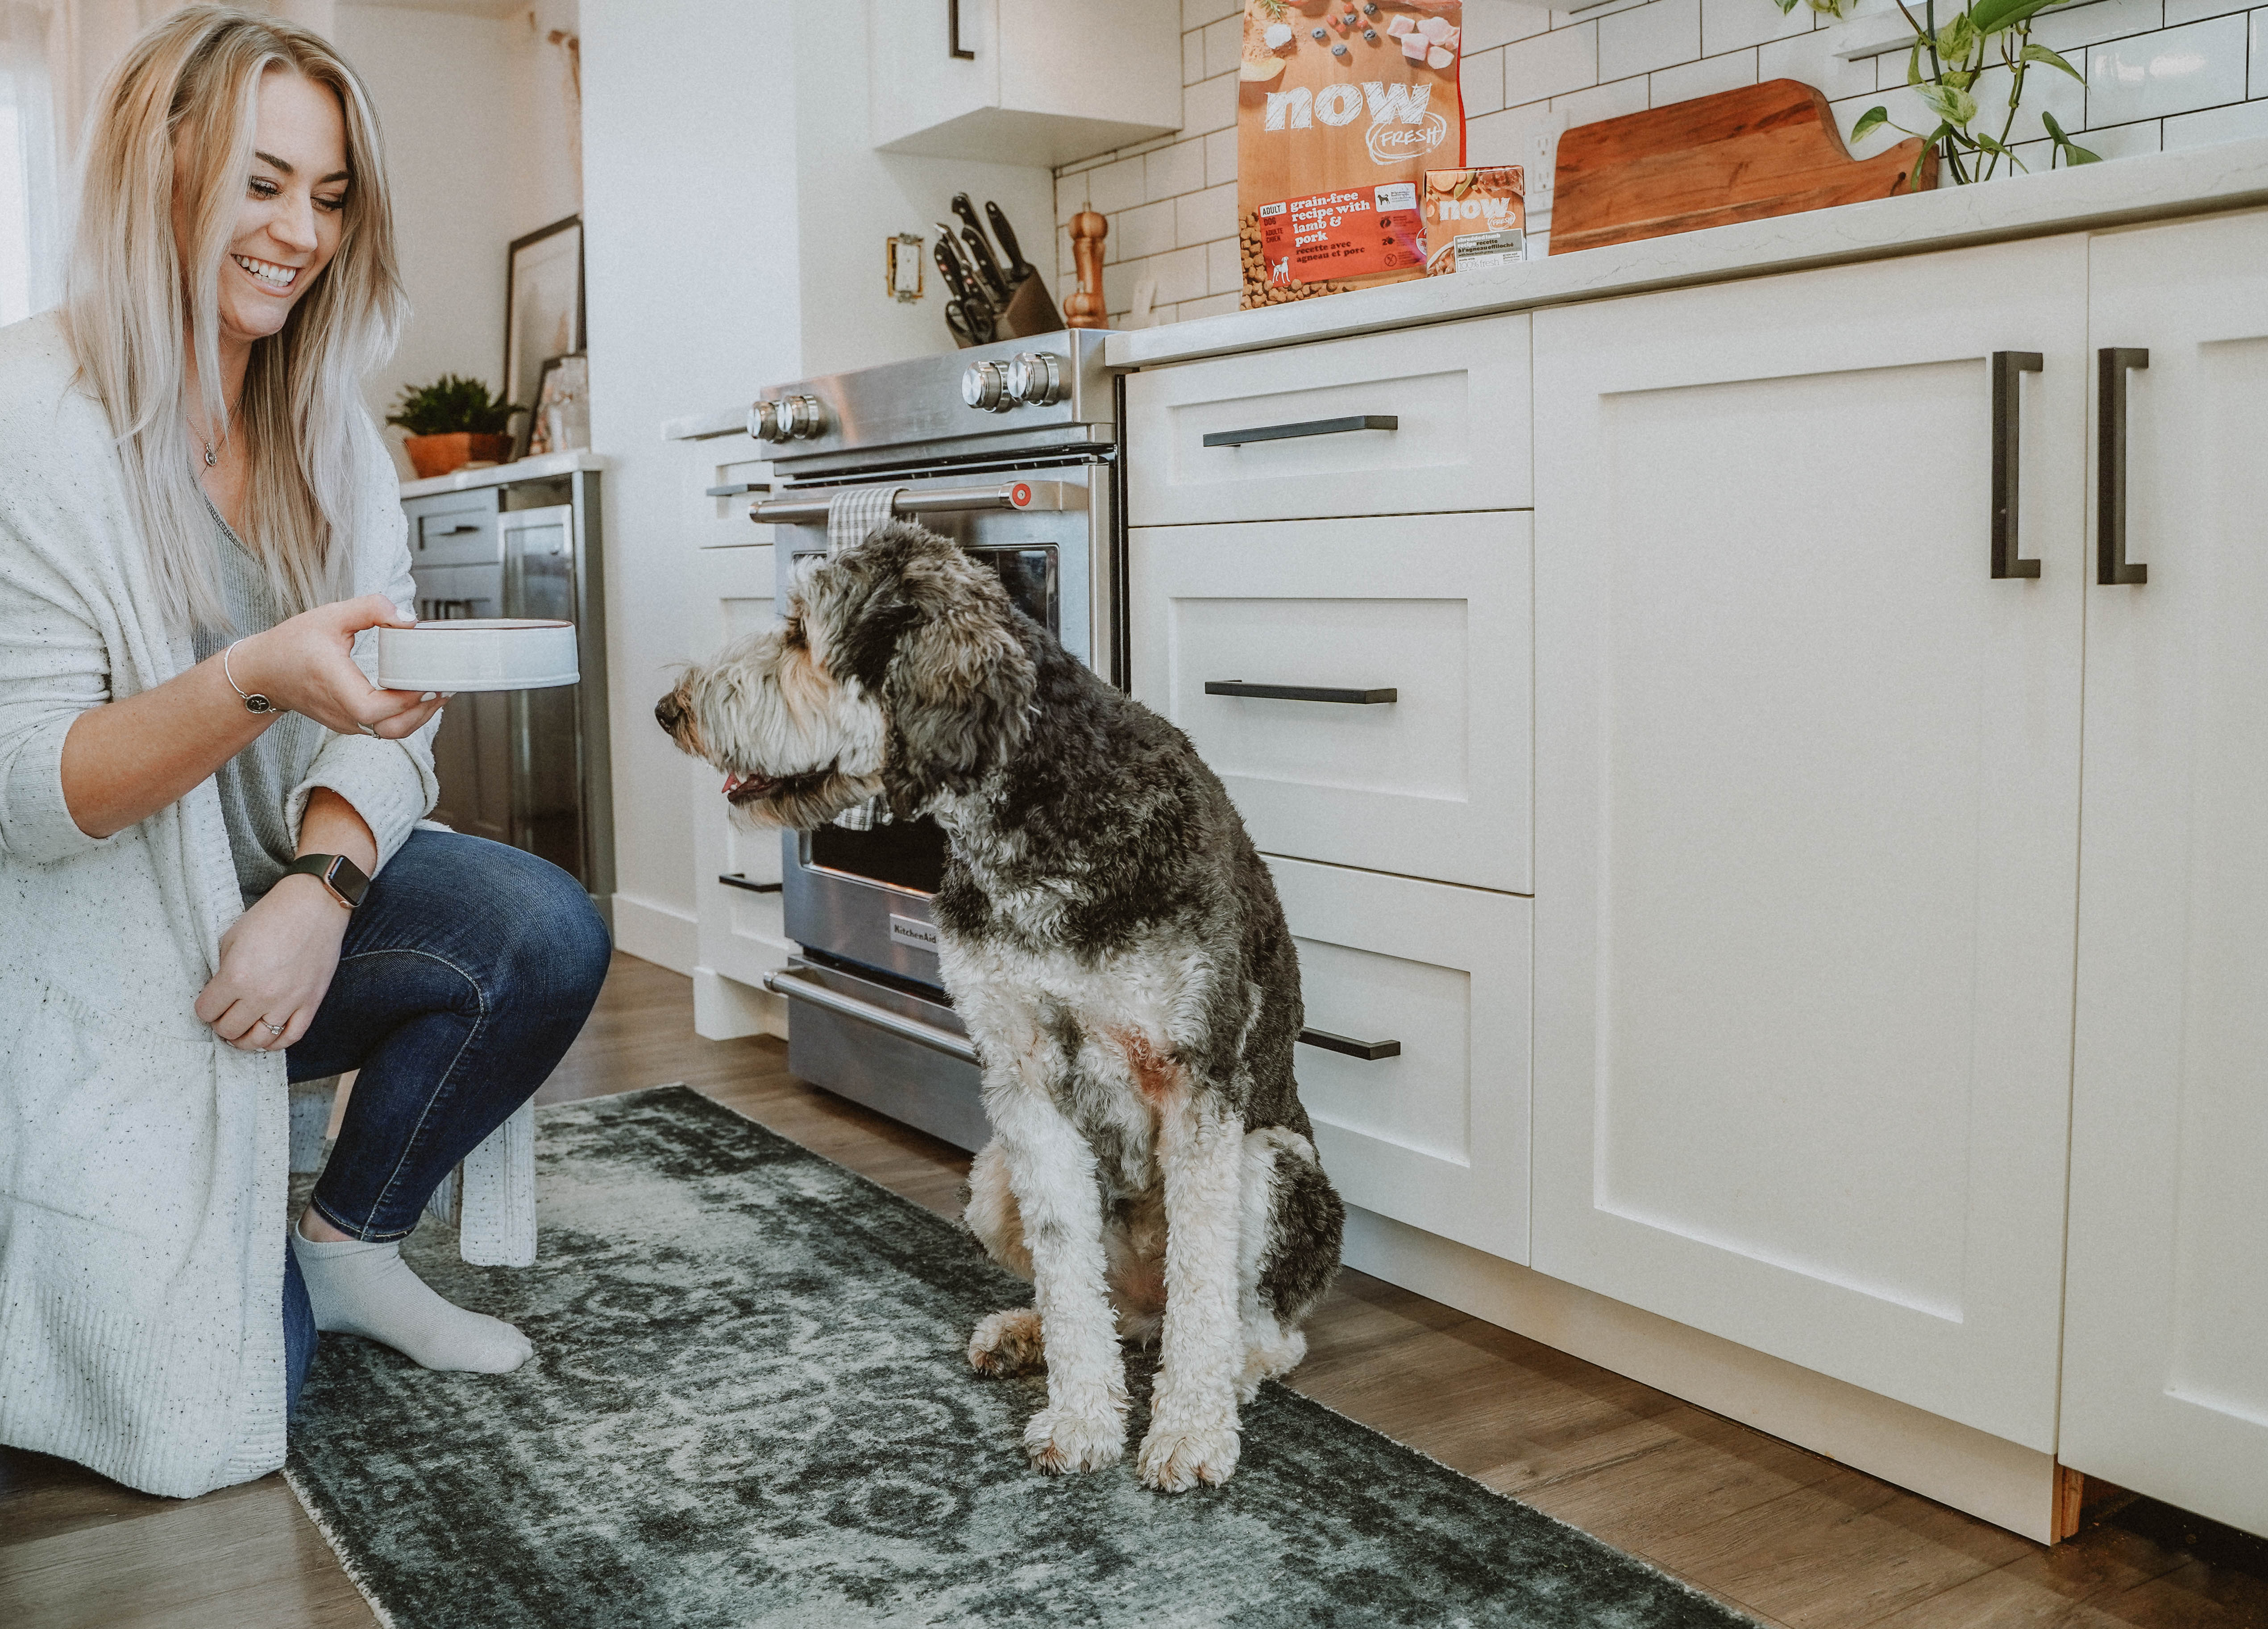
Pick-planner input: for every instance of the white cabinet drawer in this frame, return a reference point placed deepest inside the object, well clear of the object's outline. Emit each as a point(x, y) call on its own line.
point(1436, 1136)
point(1458, 394)
point(1433, 608)
point(740, 933)
point(711, 468)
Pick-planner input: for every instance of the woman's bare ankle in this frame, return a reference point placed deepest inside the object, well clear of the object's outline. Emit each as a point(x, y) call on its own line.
point(315, 1230)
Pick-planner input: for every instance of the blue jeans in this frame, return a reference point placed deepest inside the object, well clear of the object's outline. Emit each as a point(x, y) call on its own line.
point(467, 972)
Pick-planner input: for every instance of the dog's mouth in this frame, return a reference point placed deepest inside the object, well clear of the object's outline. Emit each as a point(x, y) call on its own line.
point(740, 788)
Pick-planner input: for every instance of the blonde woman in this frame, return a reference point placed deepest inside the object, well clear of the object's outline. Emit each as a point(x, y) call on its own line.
point(212, 867)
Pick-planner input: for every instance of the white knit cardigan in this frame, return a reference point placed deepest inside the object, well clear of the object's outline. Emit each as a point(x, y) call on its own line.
point(143, 1165)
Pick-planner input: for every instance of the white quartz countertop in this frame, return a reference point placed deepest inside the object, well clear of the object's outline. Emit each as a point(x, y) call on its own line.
point(2117, 192)
point(542, 467)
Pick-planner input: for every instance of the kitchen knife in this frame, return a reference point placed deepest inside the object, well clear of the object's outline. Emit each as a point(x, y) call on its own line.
point(979, 249)
point(974, 299)
point(1019, 268)
point(949, 269)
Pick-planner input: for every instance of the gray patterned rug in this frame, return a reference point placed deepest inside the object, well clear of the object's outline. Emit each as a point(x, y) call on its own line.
point(749, 1406)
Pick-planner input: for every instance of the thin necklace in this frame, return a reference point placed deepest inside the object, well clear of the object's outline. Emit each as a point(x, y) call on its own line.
point(209, 459)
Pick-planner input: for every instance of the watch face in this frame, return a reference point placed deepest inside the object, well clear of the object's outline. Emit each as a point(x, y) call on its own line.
point(347, 881)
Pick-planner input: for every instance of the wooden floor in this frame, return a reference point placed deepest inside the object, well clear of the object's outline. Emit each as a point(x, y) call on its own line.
point(1793, 1538)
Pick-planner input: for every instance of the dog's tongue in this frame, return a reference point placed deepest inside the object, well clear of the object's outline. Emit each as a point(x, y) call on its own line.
point(734, 783)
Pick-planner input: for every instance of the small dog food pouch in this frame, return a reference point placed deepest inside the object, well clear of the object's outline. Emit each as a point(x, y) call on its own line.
point(1341, 106)
point(1474, 219)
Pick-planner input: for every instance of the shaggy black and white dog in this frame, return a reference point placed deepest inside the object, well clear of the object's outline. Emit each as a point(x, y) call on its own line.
point(1115, 946)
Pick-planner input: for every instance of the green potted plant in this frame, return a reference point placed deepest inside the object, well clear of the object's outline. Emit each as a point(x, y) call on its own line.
point(452, 423)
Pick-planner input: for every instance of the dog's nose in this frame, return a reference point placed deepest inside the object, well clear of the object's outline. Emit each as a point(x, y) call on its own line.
point(668, 712)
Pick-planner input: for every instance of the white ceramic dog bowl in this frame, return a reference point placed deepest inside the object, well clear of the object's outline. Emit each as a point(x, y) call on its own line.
point(476, 654)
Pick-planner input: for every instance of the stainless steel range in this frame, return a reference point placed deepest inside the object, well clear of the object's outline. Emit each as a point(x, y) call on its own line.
point(1010, 450)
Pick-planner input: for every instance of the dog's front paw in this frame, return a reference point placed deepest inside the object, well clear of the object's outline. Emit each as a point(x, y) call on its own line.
point(1008, 1343)
point(1061, 1439)
point(1174, 1461)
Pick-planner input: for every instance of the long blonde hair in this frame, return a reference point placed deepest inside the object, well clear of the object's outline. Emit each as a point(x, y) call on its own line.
point(133, 310)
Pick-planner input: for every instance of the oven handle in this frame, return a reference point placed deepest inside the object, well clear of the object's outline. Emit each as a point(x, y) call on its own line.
point(1052, 496)
point(795, 986)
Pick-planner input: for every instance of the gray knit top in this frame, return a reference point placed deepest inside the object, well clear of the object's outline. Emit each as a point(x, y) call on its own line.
point(254, 783)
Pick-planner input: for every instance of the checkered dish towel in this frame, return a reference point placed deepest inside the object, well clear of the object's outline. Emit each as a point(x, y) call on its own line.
point(851, 514)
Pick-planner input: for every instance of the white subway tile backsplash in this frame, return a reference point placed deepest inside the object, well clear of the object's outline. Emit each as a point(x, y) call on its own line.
point(1706, 77)
point(1174, 170)
point(1657, 34)
point(2047, 89)
point(1224, 43)
point(1810, 57)
point(1215, 306)
point(1490, 23)
point(1221, 157)
point(2172, 71)
point(1116, 187)
point(1729, 24)
point(1480, 82)
point(1181, 275)
point(1143, 232)
point(2118, 141)
point(1204, 215)
point(1566, 59)
point(1193, 56)
point(1197, 13)
point(1602, 101)
point(2069, 27)
point(1224, 266)
point(2180, 11)
point(2256, 83)
point(1209, 105)
point(2238, 121)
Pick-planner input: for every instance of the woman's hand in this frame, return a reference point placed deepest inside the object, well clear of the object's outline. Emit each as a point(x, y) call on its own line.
point(276, 964)
point(306, 666)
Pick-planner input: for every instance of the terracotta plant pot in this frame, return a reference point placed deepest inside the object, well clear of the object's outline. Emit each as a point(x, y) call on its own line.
point(440, 455)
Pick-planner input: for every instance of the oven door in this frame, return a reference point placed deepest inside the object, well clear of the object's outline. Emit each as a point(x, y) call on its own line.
point(863, 897)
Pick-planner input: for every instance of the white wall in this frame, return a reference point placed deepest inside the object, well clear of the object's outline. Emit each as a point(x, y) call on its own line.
point(735, 213)
point(480, 149)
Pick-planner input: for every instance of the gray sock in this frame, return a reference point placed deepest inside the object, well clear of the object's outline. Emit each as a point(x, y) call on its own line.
point(367, 1289)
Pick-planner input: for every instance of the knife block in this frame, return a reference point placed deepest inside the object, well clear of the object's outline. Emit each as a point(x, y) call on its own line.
point(1031, 310)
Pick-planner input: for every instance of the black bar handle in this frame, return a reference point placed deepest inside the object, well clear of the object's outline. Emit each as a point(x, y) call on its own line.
point(458, 531)
point(1311, 427)
point(1369, 1050)
point(736, 488)
point(1299, 692)
point(953, 32)
point(2111, 565)
point(2007, 417)
point(739, 880)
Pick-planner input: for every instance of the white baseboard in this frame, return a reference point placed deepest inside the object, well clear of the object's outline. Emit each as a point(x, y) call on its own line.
point(657, 934)
point(724, 1009)
point(1998, 1481)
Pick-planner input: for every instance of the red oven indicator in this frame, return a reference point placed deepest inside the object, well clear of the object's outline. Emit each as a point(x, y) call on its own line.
point(1021, 495)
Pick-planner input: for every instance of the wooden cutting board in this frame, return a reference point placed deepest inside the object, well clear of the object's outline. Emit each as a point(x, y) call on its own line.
point(1764, 150)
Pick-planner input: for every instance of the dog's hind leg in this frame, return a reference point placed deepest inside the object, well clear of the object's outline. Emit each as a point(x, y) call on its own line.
point(1193, 1430)
point(1288, 1252)
point(1006, 1342)
point(1051, 1175)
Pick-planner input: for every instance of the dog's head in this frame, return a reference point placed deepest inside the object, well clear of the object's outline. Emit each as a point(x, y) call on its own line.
point(899, 669)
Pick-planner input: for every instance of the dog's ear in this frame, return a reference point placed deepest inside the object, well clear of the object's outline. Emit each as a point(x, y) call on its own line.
point(933, 634)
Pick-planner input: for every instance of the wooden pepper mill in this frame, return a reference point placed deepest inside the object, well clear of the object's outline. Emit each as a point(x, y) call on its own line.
point(1084, 308)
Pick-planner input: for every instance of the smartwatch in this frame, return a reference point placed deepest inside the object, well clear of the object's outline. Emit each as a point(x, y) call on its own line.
point(340, 875)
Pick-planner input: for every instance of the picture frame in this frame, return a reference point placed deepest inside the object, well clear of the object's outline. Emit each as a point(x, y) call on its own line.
point(543, 309)
point(560, 421)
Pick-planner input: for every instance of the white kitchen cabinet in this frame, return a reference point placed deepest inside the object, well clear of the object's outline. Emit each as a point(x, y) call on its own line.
point(2164, 1386)
point(740, 936)
point(1399, 738)
point(1411, 422)
point(1806, 817)
point(1436, 1134)
point(1032, 82)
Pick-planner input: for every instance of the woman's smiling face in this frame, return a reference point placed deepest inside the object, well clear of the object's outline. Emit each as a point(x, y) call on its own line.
point(292, 211)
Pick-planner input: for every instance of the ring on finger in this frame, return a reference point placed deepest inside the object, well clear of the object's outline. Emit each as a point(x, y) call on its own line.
point(274, 1029)
point(367, 730)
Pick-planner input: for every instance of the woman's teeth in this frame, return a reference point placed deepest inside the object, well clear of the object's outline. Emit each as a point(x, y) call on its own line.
point(274, 276)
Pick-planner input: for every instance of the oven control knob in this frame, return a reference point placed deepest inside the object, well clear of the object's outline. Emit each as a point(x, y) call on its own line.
point(801, 417)
point(764, 422)
point(984, 388)
point(1035, 378)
